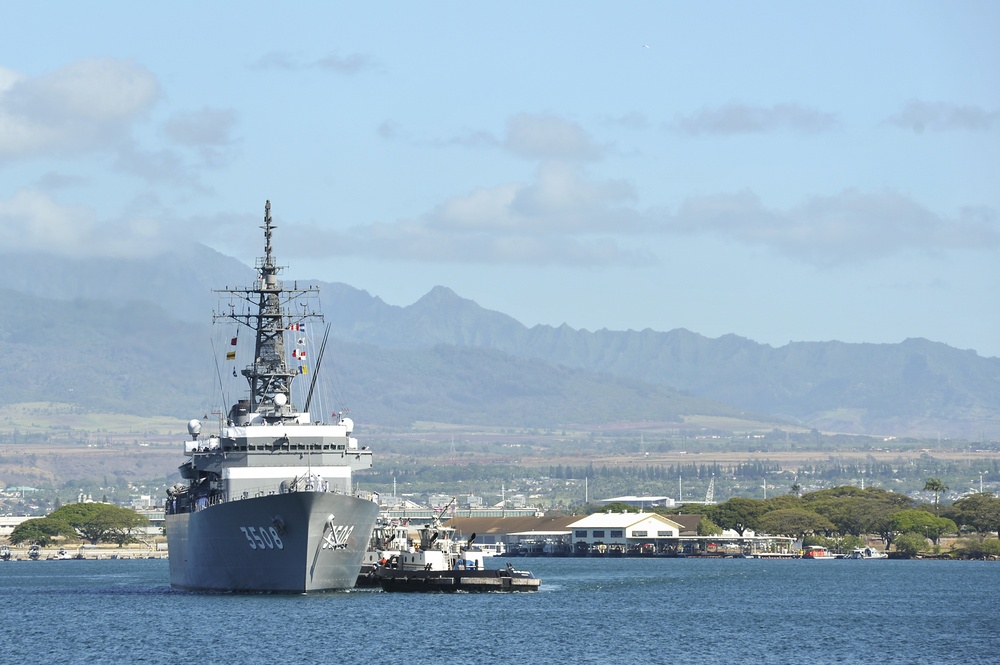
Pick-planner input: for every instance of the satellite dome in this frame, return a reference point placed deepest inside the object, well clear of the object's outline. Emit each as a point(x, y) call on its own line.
point(348, 424)
point(194, 427)
point(280, 399)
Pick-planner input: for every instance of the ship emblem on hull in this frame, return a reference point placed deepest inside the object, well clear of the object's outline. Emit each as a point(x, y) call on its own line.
point(336, 537)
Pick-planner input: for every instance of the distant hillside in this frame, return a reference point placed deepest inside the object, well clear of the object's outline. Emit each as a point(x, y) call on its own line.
point(134, 358)
point(133, 336)
point(914, 386)
point(129, 357)
point(179, 280)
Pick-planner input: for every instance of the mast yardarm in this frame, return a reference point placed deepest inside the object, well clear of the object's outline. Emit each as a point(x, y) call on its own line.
point(269, 310)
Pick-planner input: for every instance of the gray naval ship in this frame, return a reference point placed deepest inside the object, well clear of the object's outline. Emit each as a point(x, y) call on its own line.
point(268, 504)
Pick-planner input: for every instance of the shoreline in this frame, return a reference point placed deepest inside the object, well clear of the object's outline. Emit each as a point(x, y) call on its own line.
point(89, 553)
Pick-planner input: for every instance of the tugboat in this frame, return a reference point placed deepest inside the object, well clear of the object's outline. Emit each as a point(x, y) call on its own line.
point(268, 505)
point(442, 564)
point(389, 538)
point(34, 552)
point(5, 553)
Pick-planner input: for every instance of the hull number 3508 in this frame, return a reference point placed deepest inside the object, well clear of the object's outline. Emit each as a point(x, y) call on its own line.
point(262, 538)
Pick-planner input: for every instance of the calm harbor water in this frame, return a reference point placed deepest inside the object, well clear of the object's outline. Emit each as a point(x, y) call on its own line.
point(588, 611)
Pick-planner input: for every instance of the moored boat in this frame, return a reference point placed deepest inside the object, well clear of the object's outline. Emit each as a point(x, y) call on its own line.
point(866, 553)
point(441, 563)
point(818, 553)
point(389, 538)
point(268, 503)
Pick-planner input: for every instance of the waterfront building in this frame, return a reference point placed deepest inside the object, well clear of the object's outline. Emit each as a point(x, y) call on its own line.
point(625, 533)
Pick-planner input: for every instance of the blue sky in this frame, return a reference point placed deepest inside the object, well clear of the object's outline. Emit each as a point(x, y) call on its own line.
point(781, 171)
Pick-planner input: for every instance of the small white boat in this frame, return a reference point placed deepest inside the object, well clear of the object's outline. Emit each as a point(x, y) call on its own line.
point(867, 553)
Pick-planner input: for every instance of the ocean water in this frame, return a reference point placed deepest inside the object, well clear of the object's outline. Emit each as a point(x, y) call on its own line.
point(588, 611)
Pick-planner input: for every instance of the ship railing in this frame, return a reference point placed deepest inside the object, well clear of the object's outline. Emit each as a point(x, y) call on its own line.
point(270, 490)
point(219, 497)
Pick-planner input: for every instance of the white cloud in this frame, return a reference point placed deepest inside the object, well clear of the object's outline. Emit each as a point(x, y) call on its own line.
point(88, 105)
point(349, 65)
point(736, 118)
point(208, 131)
point(199, 128)
point(942, 117)
point(354, 63)
point(157, 166)
point(561, 217)
point(31, 221)
point(849, 227)
point(414, 241)
point(549, 137)
point(631, 120)
point(560, 200)
point(534, 136)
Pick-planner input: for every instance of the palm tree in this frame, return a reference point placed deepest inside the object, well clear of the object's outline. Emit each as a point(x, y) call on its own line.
point(935, 485)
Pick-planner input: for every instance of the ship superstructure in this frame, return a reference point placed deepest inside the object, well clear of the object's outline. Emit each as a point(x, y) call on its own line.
point(268, 503)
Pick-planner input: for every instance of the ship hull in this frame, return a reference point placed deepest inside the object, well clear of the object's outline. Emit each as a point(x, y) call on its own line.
point(282, 543)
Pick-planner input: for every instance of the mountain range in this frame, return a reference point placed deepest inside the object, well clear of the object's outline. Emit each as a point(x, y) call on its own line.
point(133, 336)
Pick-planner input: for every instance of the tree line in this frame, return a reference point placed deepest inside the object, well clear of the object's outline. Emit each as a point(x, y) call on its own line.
point(91, 522)
point(842, 516)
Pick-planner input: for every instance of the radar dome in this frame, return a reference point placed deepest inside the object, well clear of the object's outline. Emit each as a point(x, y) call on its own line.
point(194, 427)
point(348, 424)
point(280, 399)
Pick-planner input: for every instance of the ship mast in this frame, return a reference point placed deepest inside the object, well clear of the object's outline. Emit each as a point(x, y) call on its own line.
point(269, 313)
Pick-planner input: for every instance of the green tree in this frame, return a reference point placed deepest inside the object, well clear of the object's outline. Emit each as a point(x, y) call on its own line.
point(979, 512)
point(857, 512)
point(922, 522)
point(738, 513)
point(99, 521)
point(783, 502)
point(707, 527)
point(41, 531)
point(935, 485)
point(619, 507)
point(909, 544)
point(976, 548)
point(794, 522)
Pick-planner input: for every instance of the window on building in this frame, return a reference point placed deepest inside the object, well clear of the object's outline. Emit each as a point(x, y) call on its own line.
point(664, 534)
point(598, 533)
point(581, 533)
point(638, 534)
point(616, 533)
